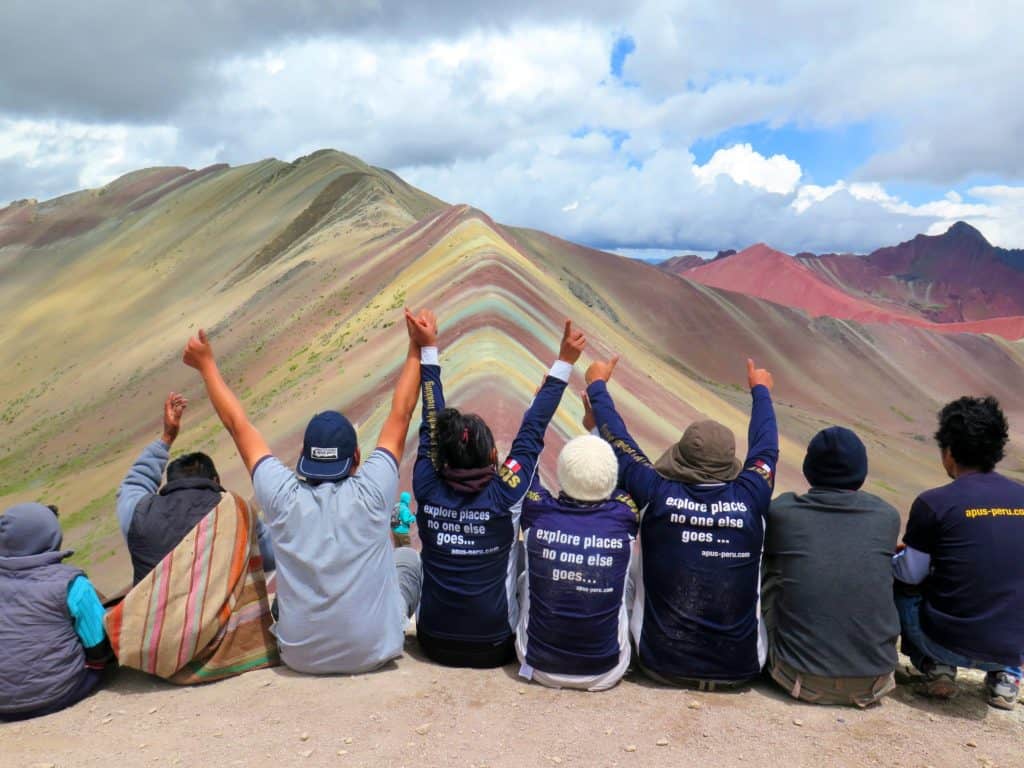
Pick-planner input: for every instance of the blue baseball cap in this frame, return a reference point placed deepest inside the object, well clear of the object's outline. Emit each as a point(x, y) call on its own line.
point(329, 447)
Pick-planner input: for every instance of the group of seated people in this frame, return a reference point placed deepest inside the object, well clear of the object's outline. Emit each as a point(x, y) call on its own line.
point(684, 567)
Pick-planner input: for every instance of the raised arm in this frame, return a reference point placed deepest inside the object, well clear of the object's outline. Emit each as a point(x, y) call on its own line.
point(396, 428)
point(636, 475)
point(249, 442)
point(762, 435)
point(516, 473)
point(143, 479)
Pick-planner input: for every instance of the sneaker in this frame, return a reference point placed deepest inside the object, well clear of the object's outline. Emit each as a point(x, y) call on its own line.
point(1003, 689)
point(939, 680)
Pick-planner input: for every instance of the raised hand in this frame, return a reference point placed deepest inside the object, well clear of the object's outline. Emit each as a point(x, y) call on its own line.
point(757, 376)
point(601, 370)
point(174, 406)
point(198, 352)
point(422, 328)
point(589, 421)
point(573, 342)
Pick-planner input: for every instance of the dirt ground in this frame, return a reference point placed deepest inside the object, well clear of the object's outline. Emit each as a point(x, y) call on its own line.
point(413, 713)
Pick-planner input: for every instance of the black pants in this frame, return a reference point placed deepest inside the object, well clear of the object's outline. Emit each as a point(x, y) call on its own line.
point(463, 653)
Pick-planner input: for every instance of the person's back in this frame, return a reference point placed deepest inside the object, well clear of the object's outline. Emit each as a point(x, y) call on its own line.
point(155, 519)
point(828, 580)
point(52, 628)
point(338, 600)
point(696, 619)
point(343, 594)
point(468, 518)
point(573, 623)
point(963, 547)
point(973, 528)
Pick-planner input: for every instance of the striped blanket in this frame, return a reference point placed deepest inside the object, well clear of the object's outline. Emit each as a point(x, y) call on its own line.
point(202, 614)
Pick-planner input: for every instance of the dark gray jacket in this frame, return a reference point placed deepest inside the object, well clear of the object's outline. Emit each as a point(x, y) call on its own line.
point(43, 659)
point(827, 596)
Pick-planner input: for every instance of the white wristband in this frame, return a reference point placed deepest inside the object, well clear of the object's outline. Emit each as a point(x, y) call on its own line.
point(429, 356)
point(561, 370)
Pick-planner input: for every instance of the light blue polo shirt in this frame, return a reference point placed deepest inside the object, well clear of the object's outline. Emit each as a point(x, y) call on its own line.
point(340, 607)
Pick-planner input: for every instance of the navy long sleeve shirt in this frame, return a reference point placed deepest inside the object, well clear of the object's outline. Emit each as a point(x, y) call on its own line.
point(697, 615)
point(469, 553)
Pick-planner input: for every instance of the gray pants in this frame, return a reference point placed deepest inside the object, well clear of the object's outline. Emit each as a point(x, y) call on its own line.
point(410, 577)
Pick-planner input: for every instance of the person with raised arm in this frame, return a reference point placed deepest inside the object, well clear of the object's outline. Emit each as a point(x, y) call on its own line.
point(696, 618)
point(574, 596)
point(468, 514)
point(344, 593)
point(155, 519)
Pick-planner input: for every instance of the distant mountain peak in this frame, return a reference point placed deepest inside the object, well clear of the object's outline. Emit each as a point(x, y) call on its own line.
point(962, 230)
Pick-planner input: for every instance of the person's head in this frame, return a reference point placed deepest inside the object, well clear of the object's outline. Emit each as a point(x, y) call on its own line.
point(706, 453)
point(836, 458)
point(464, 441)
point(330, 449)
point(972, 435)
point(192, 465)
point(29, 529)
point(587, 469)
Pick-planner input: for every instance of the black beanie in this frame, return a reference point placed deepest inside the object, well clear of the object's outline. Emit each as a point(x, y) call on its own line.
point(836, 458)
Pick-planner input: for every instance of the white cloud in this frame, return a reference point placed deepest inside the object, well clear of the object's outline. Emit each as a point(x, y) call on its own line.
point(743, 165)
point(486, 113)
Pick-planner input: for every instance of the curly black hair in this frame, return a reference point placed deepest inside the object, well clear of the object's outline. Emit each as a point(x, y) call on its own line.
point(975, 431)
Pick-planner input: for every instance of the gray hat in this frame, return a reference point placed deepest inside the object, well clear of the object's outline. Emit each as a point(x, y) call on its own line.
point(29, 529)
point(706, 453)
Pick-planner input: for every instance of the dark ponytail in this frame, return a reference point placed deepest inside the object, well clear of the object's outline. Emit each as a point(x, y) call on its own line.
point(464, 440)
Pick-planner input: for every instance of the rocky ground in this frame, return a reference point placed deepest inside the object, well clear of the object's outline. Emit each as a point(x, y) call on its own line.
point(416, 714)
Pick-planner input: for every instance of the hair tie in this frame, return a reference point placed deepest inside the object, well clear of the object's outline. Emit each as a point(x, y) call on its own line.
point(465, 434)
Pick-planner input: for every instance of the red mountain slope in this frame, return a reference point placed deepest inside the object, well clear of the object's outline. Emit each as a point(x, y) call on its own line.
point(769, 274)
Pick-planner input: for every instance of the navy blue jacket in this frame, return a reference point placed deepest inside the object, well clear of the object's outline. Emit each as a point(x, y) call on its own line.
point(577, 562)
point(697, 614)
point(469, 552)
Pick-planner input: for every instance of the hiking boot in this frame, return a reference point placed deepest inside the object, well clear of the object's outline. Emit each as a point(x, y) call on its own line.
point(939, 680)
point(1003, 689)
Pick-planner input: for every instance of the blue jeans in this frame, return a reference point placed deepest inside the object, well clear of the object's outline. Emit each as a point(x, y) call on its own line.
point(917, 645)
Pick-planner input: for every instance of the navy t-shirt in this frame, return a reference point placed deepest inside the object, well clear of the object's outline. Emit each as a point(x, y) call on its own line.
point(697, 614)
point(973, 529)
point(469, 557)
point(577, 556)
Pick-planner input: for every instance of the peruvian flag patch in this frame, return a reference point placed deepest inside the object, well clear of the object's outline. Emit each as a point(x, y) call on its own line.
point(512, 465)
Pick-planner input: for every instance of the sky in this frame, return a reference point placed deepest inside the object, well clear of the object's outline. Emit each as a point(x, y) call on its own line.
point(650, 127)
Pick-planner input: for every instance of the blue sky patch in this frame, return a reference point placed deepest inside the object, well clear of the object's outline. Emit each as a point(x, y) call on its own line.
point(621, 48)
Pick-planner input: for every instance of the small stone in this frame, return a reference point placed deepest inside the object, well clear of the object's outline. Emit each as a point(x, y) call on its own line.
point(342, 752)
point(151, 711)
point(347, 740)
point(306, 753)
point(522, 691)
point(705, 735)
point(971, 744)
point(630, 748)
point(662, 742)
point(798, 722)
point(932, 719)
point(266, 683)
point(840, 719)
point(556, 760)
point(695, 705)
point(423, 730)
point(304, 737)
point(107, 720)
